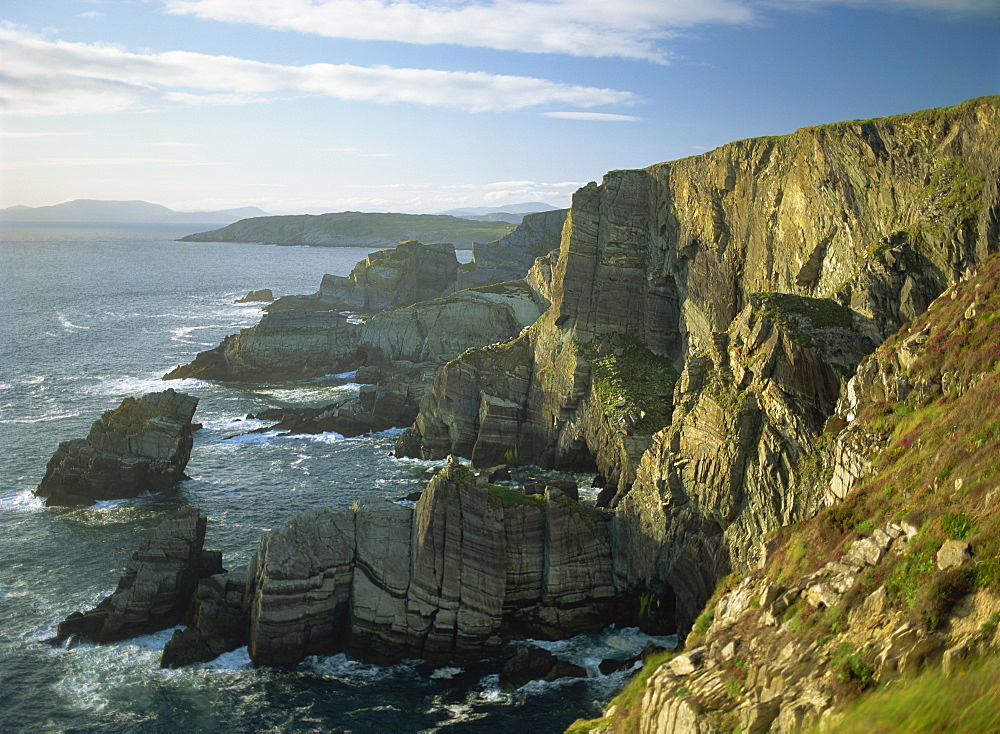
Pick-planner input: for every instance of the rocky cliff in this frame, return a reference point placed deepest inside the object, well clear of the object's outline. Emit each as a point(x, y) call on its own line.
point(900, 572)
point(471, 566)
point(143, 445)
point(157, 586)
point(760, 273)
point(510, 257)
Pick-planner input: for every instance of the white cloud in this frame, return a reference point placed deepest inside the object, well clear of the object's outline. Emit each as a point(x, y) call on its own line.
point(54, 78)
point(592, 116)
point(594, 28)
point(633, 29)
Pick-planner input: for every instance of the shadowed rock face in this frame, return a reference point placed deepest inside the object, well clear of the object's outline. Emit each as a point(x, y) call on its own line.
point(141, 446)
point(454, 578)
point(156, 588)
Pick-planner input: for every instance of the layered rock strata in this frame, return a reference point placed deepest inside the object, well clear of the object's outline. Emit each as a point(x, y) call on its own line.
point(156, 589)
point(469, 567)
point(143, 445)
point(763, 271)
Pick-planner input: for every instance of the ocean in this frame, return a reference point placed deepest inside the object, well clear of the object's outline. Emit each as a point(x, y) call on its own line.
point(95, 313)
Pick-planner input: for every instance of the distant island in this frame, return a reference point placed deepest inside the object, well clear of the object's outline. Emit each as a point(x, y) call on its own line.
point(96, 210)
point(357, 229)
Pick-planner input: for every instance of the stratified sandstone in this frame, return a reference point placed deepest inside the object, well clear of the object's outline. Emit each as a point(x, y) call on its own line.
point(510, 257)
point(141, 446)
point(471, 566)
point(157, 586)
point(285, 345)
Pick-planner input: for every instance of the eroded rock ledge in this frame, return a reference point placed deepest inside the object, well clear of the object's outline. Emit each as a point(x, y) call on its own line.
point(470, 567)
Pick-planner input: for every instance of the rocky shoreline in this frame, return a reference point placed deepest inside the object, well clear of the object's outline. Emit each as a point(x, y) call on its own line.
point(706, 337)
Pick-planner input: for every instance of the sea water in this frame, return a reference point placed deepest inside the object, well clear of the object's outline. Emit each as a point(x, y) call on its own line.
point(95, 313)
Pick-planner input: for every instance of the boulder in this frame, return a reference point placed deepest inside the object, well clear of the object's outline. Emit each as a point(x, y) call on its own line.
point(141, 446)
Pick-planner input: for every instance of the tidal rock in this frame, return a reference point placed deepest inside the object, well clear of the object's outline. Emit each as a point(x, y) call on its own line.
point(157, 586)
point(536, 663)
point(141, 446)
point(285, 345)
point(264, 294)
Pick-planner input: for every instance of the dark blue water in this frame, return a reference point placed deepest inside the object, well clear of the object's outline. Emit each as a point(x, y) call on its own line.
point(95, 313)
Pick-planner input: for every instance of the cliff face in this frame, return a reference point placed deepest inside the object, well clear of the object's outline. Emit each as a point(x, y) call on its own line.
point(902, 570)
point(471, 566)
point(762, 272)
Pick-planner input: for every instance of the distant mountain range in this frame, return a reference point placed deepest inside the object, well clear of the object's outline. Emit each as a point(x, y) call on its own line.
point(95, 210)
point(512, 213)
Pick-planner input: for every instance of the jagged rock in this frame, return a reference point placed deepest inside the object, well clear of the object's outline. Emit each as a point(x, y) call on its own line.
point(143, 445)
point(157, 586)
point(264, 294)
point(510, 257)
point(218, 622)
point(404, 275)
point(535, 663)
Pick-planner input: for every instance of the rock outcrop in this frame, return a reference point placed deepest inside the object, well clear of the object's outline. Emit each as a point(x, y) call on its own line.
point(761, 271)
point(285, 345)
point(471, 566)
point(406, 274)
point(141, 446)
point(262, 295)
point(156, 589)
point(402, 350)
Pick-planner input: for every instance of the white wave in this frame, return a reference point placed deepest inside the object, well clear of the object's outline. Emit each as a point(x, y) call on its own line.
point(46, 417)
point(238, 659)
point(347, 375)
point(6, 386)
point(67, 324)
point(224, 424)
point(445, 673)
point(612, 642)
point(328, 437)
point(24, 501)
point(340, 666)
point(253, 438)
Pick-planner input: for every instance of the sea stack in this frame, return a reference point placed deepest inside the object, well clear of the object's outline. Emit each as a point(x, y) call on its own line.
point(143, 445)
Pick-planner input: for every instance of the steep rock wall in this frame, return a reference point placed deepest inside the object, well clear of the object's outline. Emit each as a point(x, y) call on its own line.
point(871, 219)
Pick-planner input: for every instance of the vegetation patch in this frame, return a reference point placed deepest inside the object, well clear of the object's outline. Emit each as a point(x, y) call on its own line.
point(962, 700)
point(630, 380)
point(801, 316)
point(500, 496)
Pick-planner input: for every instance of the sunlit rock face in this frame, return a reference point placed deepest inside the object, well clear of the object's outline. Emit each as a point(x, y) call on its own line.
point(762, 271)
point(471, 566)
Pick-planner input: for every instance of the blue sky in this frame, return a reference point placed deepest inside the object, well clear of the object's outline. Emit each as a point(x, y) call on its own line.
point(426, 105)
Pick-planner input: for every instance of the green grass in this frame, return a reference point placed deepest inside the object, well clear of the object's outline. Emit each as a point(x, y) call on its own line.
point(965, 700)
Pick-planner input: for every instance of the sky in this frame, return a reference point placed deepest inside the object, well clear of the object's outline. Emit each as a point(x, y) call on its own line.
point(308, 106)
